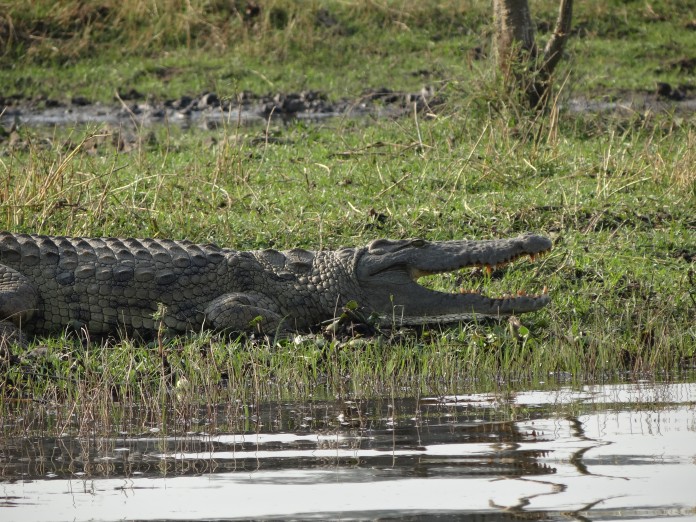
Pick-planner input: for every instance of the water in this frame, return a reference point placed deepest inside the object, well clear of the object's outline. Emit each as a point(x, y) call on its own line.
point(614, 452)
point(251, 112)
point(144, 115)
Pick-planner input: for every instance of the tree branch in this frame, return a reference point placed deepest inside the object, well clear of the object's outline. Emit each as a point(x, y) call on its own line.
point(554, 47)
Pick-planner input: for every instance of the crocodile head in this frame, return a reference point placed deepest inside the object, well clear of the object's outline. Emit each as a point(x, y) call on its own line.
point(388, 271)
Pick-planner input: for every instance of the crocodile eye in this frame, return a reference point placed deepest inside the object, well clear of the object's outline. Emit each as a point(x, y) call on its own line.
point(418, 243)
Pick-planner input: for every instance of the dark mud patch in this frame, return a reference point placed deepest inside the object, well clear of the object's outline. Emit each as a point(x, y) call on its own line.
point(209, 110)
point(664, 98)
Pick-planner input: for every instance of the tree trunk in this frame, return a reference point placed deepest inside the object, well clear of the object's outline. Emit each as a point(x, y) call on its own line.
point(517, 54)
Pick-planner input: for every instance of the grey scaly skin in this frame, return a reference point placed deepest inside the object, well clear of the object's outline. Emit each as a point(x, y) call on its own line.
point(110, 286)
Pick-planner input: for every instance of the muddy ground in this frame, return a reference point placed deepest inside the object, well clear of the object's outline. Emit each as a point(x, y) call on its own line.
point(208, 110)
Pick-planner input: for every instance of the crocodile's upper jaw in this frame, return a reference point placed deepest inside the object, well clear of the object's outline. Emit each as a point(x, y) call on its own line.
point(388, 272)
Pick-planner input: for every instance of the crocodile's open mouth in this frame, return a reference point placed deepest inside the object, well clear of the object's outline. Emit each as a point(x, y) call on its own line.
point(391, 275)
point(466, 278)
point(425, 304)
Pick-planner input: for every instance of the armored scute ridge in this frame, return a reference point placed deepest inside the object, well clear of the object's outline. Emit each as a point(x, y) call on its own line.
point(110, 286)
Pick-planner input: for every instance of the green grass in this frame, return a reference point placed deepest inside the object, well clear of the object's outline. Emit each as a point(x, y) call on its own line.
point(616, 193)
point(619, 206)
point(166, 48)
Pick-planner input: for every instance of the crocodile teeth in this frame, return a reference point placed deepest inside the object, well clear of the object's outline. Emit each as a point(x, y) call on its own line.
point(521, 293)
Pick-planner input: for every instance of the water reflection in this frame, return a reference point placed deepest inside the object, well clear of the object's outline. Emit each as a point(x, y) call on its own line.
point(626, 451)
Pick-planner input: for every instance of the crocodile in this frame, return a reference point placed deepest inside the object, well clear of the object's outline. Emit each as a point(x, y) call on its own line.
point(122, 287)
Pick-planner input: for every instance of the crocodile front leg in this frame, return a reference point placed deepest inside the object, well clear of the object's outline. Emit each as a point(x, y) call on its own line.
point(242, 312)
point(19, 301)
